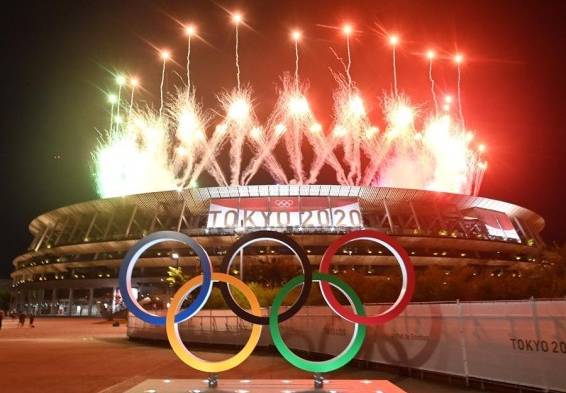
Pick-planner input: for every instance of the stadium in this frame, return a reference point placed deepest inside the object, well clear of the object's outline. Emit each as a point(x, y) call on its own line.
point(71, 266)
point(414, 174)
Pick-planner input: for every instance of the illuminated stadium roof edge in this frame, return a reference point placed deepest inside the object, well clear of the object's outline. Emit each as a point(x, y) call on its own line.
point(197, 200)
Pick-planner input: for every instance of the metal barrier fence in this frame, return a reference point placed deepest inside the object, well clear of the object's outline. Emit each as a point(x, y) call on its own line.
point(515, 342)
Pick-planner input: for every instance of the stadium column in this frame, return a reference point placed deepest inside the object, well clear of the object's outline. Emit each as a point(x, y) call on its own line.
point(53, 308)
point(23, 300)
point(38, 244)
point(180, 221)
point(388, 215)
point(90, 300)
point(113, 307)
point(90, 226)
point(19, 302)
point(58, 238)
point(501, 229)
point(70, 312)
point(521, 229)
point(12, 301)
point(41, 300)
point(131, 220)
point(415, 217)
point(538, 239)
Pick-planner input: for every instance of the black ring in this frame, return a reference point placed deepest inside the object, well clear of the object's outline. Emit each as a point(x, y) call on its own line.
point(293, 246)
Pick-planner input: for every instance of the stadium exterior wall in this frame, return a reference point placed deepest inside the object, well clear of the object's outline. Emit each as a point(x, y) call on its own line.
point(71, 266)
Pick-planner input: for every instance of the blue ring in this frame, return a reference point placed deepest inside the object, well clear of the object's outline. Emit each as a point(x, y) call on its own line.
point(125, 278)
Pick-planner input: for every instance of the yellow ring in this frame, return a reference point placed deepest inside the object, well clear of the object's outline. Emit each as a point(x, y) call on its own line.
point(173, 330)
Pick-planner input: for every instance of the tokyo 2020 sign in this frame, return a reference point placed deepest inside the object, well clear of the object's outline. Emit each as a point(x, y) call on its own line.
point(203, 283)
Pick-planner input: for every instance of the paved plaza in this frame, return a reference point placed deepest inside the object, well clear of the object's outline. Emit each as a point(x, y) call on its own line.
point(89, 355)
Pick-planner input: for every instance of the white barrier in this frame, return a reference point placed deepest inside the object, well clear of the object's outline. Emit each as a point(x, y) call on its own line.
point(522, 343)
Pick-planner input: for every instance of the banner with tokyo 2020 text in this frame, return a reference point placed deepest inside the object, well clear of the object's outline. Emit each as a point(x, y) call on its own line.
point(308, 212)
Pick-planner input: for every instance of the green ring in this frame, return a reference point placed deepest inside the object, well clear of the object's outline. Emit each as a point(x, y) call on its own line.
point(331, 364)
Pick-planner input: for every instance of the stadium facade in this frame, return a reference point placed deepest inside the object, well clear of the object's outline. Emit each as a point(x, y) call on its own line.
point(71, 266)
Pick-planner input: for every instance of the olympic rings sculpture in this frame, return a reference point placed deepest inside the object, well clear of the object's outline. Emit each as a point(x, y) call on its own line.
point(204, 282)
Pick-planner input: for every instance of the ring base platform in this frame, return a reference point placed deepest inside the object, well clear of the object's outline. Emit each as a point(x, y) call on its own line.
point(264, 386)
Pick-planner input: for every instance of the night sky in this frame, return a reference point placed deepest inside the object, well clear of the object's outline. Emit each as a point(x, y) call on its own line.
point(58, 59)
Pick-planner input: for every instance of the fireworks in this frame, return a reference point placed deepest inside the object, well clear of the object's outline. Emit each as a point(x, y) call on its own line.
point(133, 158)
point(430, 54)
point(134, 82)
point(458, 59)
point(165, 56)
point(146, 150)
point(394, 41)
point(190, 31)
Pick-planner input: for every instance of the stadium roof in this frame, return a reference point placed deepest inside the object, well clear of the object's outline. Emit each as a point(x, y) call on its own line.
point(196, 200)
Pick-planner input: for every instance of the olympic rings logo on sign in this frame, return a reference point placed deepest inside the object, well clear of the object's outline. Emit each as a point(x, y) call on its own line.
point(204, 282)
point(284, 202)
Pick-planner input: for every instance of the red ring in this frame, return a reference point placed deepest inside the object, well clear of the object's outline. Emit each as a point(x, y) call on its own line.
point(402, 258)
